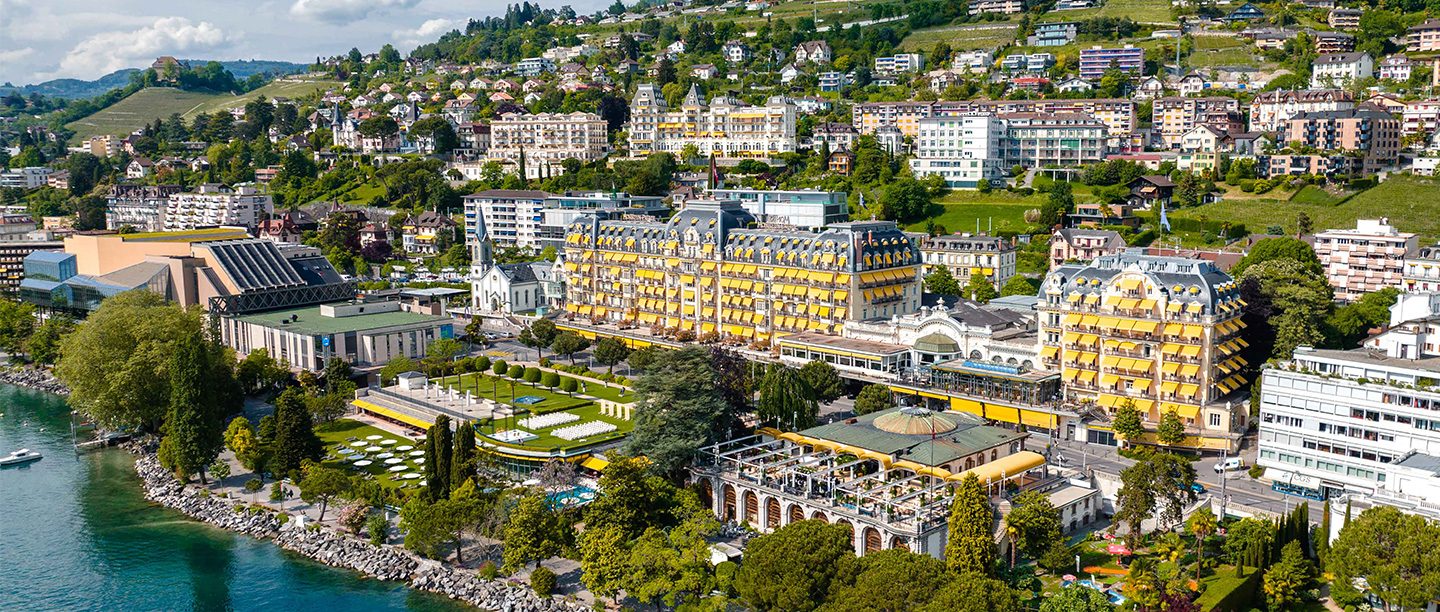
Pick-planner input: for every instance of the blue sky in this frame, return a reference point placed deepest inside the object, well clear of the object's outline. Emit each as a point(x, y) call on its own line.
point(86, 39)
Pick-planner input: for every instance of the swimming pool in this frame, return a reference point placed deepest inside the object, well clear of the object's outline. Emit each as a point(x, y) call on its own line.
point(578, 495)
point(1113, 594)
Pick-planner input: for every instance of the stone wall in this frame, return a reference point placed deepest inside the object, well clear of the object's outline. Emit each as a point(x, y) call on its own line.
point(336, 549)
point(31, 378)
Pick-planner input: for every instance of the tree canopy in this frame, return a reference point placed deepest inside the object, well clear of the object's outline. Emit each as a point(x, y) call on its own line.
point(679, 409)
point(792, 568)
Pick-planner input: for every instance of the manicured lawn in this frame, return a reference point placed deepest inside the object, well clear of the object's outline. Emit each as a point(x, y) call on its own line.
point(546, 441)
point(498, 389)
point(610, 393)
point(338, 433)
point(1220, 585)
point(1311, 194)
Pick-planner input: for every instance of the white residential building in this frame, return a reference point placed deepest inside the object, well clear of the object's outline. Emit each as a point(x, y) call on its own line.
point(900, 62)
point(534, 66)
point(25, 178)
point(977, 62)
point(547, 139)
point(725, 128)
point(214, 205)
point(963, 150)
point(1368, 258)
point(1341, 69)
point(1271, 111)
point(966, 255)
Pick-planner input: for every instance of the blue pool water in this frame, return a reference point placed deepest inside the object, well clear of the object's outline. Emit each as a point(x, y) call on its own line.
point(529, 399)
point(575, 496)
point(1114, 594)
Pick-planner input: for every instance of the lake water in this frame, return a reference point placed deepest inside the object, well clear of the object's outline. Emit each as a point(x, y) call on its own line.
point(76, 534)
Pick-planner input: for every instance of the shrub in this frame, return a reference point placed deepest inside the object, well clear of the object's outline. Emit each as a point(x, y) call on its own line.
point(487, 570)
point(543, 581)
point(532, 375)
point(569, 385)
point(379, 528)
point(550, 379)
point(1256, 471)
point(545, 362)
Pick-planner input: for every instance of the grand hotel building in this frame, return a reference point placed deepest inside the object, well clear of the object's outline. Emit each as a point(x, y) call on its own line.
point(1163, 333)
point(709, 270)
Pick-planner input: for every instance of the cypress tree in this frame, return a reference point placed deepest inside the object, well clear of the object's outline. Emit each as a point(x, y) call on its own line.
point(1322, 542)
point(194, 432)
point(295, 439)
point(432, 464)
point(971, 544)
point(462, 463)
point(444, 451)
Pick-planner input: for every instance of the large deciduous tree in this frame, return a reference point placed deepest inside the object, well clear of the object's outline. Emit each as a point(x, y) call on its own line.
point(678, 409)
point(1397, 554)
point(824, 381)
point(785, 398)
point(1158, 485)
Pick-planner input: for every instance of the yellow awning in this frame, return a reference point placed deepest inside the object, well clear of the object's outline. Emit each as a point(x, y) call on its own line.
point(1037, 419)
point(1003, 468)
point(595, 463)
point(1146, 327)
point(392, 414)
point(1049, 352)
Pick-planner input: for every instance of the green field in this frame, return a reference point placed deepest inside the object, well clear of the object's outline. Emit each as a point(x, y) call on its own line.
point(1412, 204)
point(960, 38)
point(1143, 11)
point(960, 210)
point(1215, 51)
point(151, 103)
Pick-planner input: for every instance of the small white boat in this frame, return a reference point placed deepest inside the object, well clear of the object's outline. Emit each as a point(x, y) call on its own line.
point(23, 455)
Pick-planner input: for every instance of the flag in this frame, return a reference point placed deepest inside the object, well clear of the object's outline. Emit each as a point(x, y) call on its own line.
point(1164, 221)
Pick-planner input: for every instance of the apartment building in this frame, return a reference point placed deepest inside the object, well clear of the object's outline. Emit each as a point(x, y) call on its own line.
point(1420, 117)
point(1174, 116)
point(1368, 258)
point(900, 62)
point(533, 220)
point(1367, 129)
point(1053, 34)
point(1041, 140)
point(965, 151)
point(546, 140)
point(1271, 110)
point(1344, 18)
point(1076, 245)
point(534, 66)
point(1421, 273)
point(1118, 115)
point(703, 272)
point(966, 255)
point(1395, 68)
point(1096, 60)
point(1423, 37)
point(214, 205)
point(1002, 7)
point(1159, 333)
point(1358, 421)
point(1341, 69)
point(139, 206)
point(802, 208)
point(1327, 43)
point(25, 178)
point(725, 128)
point(1034, 63)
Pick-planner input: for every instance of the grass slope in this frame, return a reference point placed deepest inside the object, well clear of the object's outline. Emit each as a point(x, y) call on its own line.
point(1143, 11)
point(149, 104)
point(960, 209)
point(1411, 203)
point(961, 38)
point(139, 108)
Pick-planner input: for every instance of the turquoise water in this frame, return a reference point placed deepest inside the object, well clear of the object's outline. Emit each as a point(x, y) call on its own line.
point(76, 534)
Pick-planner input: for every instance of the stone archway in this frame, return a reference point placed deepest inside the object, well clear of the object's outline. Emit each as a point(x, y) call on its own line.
point(729, 493)
point(797, 514)
point(752, 508)
point(707, 495)
point(772, 514)
point(872, 540)
point(819, 516)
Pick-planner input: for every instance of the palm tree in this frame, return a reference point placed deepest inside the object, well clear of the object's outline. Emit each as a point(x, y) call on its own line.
point(1202, 524)
point(1012, 531)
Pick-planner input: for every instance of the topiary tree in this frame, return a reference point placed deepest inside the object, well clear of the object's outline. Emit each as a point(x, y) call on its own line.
point(500, 367)
point(550, 380)
point(569, 385)
point(482, 364)
point(543, 581)
point(532, 375)
point(515, 372)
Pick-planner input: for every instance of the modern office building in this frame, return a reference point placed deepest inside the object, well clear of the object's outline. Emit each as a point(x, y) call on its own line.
point(1096, 60)
point(364, 334)
point(703, 272)
point(1368, 258)
point(1159, 333)
point(966, 255)
point(725, 127)
point(802, 208)
point(12, 260)
point(545, 140)
point(215, 205)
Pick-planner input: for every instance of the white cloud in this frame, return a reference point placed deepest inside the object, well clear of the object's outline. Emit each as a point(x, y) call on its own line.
point(109, 51)
point(429, 31)
point(341, 12)
point(15, 55)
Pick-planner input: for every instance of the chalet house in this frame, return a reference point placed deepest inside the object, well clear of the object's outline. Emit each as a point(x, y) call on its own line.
point(1151, 190)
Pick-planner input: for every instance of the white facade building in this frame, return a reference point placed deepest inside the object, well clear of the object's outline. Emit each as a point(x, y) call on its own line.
point(962, 150)
point(725, 127)
point(1341, 69)
point(213, 205)
point(547, 139)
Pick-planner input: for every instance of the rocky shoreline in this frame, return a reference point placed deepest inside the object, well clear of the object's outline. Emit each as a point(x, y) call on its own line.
point(32, 378)
point(335, 549)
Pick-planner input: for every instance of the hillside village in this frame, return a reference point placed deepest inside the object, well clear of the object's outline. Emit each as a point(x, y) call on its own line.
point(1133, 289)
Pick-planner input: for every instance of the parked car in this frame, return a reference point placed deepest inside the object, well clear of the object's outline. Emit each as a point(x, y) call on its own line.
point(1229, 465)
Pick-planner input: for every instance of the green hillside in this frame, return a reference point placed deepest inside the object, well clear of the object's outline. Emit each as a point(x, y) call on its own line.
point(1411, 203)
point(147, 105)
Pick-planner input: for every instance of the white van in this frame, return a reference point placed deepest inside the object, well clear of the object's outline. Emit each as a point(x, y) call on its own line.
point(1229, 465)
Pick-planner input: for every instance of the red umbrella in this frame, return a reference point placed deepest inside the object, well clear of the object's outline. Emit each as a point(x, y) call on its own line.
point(1118, 549)
point(1109, 536)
